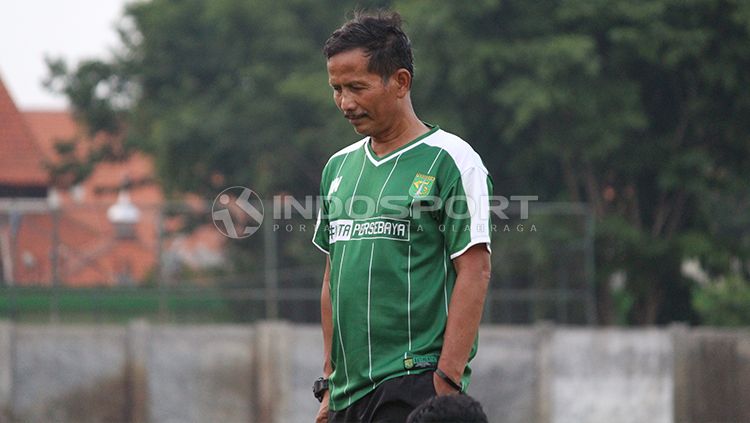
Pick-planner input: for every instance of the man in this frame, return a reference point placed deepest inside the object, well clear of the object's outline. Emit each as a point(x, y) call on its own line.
point(449, 409)
point(405, 224)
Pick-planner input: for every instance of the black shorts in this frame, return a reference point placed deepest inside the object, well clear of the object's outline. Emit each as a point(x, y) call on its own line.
point(391, 402)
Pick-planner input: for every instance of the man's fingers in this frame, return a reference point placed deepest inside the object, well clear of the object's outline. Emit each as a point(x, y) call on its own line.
point(322, 416)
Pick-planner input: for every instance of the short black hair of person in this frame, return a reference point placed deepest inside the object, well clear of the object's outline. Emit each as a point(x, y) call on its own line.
point(379, 33)
point(448, 409)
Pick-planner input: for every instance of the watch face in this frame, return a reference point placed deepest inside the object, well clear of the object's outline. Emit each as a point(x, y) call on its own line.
point(319, 387)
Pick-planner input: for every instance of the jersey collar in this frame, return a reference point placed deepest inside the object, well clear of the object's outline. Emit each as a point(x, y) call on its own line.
point(377, 161)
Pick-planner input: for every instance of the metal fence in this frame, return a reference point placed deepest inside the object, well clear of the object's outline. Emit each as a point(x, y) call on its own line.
point(73, 265)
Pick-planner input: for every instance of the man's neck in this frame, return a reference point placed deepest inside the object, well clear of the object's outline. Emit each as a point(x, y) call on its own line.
point(398, 136)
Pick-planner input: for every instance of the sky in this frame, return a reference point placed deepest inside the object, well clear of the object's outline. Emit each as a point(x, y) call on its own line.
point(68, 29)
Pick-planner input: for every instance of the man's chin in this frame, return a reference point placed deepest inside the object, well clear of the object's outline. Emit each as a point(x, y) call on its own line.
point(361, 130)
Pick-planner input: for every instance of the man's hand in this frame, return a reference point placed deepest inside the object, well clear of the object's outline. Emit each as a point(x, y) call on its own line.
point(322, 416)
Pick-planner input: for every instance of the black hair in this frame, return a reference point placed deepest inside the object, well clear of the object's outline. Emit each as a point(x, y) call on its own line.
point(380, 35)
point(448, 409)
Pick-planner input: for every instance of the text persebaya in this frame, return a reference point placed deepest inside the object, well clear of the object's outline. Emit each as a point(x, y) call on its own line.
point(378, 227)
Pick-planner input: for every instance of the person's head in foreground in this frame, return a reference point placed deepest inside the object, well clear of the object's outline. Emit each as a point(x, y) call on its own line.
point(448, 409)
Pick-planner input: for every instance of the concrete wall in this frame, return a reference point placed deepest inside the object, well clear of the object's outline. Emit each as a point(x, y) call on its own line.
point(263, 373)
point(713, 372)
point(610, 375)
point(200, 374)
point(57, 374)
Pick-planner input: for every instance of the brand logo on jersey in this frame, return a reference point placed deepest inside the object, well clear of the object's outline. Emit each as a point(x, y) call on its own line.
point(412, 361)
point(334, 185)
point(421, 185)
point(373, 228)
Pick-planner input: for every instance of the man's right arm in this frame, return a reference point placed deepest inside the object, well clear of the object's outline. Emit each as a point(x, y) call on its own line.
point(326, 320)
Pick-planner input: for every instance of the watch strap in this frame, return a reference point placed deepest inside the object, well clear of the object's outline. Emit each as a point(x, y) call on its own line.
point(448, 380)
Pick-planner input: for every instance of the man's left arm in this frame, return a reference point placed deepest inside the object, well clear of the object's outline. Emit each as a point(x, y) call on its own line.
point(464, 314)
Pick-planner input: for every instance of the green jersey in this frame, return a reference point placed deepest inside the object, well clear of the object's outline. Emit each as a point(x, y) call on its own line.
point(391, 226)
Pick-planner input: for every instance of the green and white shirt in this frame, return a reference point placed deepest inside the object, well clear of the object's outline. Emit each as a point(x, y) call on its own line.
point(391, 226)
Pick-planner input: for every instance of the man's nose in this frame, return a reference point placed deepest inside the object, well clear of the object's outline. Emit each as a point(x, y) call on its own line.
point(346, 104)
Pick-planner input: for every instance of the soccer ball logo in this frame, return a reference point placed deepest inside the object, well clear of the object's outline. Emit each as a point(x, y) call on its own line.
point(237, 212)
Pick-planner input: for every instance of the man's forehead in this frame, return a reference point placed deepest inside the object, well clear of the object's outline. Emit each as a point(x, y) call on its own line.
point(348, 61)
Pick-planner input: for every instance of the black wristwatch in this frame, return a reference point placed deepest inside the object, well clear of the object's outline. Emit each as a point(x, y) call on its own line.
point(319, 388)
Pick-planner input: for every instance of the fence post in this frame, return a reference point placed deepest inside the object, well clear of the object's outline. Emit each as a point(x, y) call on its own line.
point(743, 359)
point(272, 371)
point(271, 271)
point(590, 266)
point(680, 370)
point(6, 369)
point(55, 263)
point(544, 332)
point(136, 373)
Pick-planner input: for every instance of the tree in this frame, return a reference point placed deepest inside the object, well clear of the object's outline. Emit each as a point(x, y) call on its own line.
point(221, 92)
point(632, 107)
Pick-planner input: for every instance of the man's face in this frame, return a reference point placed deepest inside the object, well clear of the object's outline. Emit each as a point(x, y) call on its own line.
point(368, 103)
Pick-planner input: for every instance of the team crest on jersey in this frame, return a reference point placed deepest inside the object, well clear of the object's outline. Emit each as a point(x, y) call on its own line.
point(421, 185)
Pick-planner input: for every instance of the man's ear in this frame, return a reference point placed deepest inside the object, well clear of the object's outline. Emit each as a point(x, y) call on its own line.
point(402, 79)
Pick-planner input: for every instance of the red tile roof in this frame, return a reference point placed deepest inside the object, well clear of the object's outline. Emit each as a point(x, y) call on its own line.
point(20, 163)
point(89, 253)
point(50, 127)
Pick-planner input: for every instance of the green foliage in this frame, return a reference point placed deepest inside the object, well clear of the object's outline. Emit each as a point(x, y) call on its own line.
point(724, 302)
point(624, 105)
point(233, 88)
point(218, 92)
point(635, 107)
